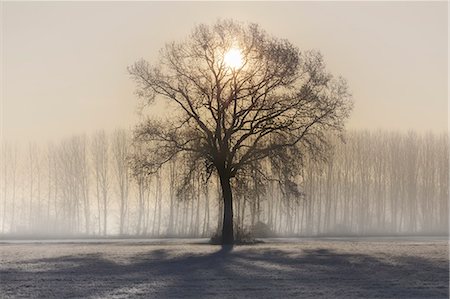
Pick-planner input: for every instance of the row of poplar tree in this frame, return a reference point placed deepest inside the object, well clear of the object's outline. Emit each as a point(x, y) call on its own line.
point(372, 183)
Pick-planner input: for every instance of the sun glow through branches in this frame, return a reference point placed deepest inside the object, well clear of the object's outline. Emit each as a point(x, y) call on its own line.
point(233, 58)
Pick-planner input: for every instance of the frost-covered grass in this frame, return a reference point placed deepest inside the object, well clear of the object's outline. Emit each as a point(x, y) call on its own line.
point(329, 268)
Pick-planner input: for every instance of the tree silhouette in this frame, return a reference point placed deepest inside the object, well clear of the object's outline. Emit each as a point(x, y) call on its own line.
point(272, 103)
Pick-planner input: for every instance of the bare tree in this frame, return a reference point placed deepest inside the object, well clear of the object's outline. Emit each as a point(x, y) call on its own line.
point(240, 96)
point(31, 152)
point(172, 181)
point(142, 184)
point(83, 178)
point(50, 176)
point(5, 155)
point(120, 146)
point(100, 153)
point(13, 179)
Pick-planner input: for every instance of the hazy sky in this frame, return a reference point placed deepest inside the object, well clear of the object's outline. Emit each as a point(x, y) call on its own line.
point(64, 63)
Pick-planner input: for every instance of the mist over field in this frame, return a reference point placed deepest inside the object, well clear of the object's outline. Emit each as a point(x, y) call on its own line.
point(377, 165)
point(376, 183)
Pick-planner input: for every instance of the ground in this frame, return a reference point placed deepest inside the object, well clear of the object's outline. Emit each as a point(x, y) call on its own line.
point(301, 268)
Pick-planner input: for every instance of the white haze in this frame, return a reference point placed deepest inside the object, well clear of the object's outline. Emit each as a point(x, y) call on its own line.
point(377, 183)
point(64, 71)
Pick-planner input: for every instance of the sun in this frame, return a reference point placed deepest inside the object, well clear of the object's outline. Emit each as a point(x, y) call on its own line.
point(233, 58)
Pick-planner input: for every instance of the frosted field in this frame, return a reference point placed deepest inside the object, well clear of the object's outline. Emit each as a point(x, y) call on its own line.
point(329, 268)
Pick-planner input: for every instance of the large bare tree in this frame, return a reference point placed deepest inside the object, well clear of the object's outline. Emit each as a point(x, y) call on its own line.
point(239, 96)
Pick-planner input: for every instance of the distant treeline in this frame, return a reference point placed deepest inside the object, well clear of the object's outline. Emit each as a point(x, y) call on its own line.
point(378, 183)
point(372, 183)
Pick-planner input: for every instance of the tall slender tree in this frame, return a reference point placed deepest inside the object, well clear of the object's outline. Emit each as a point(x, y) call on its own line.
point(120, 148)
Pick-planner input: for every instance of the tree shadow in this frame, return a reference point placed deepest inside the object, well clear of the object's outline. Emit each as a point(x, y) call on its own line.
point(244, 272)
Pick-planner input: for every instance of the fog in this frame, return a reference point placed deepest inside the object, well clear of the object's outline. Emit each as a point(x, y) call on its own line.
point(65, 169)
point(376, 183)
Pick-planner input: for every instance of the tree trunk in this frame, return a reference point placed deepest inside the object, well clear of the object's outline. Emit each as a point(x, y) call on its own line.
point(227, 228)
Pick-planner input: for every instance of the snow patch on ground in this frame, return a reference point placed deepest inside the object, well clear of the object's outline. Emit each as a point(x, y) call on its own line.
point(327, 268)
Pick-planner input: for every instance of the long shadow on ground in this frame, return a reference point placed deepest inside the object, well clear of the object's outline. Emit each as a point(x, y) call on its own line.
point(247, 272)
